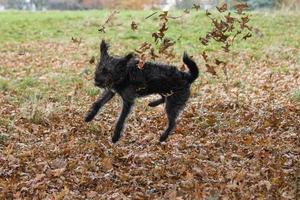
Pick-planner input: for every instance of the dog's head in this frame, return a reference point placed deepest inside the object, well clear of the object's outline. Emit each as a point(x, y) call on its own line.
point(110, 70)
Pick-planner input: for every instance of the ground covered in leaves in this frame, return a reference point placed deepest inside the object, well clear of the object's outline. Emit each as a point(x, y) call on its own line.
point(238, 137)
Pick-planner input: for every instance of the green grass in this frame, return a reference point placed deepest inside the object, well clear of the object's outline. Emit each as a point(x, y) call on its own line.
point(281, 69)
point(4, 84)
point(18, 27)
point(92, 92)
point(280, 31)
point(295, 97)
point(27, 82)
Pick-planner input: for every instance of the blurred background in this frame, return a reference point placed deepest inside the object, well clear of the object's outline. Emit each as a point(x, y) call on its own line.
point(35, 5)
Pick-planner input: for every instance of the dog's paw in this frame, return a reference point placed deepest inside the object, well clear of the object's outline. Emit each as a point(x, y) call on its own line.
point(163, 137)
point(89, 117)
point(115, 139)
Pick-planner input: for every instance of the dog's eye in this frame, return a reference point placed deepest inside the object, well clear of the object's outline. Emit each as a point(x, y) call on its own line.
point(104, 70)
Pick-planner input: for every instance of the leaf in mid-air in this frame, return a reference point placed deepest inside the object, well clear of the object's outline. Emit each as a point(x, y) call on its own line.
point(196, 6)
point(222, 8)
point(134, 26)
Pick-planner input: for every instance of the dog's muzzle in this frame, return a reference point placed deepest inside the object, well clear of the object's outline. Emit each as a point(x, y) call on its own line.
point(102, 83)
point(98, 84)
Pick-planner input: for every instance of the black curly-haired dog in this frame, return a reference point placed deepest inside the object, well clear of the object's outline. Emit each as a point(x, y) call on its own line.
point(122, 76)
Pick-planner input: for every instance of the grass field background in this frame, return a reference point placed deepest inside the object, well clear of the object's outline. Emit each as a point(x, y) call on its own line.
point(238, 141)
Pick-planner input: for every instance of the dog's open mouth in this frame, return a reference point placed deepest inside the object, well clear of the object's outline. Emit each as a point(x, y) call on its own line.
point(98, 84)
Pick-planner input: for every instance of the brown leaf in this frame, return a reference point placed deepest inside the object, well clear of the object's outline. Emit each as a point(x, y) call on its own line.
point(222, 8)
point(58, 163)
point(186, 11)
point(143, 48)
point(107, 163)
point(38, 178)
point(219, 62)
point(92, 194)
point(189, 176)
point(248, 35)
point(266, 183)
point(241, 7)
point(163, 28)
point(164, 16)
point(210, 69)
point(76, 40)
point(62, 194)
point(134, 26)
point(152, 54)
point(226, 47)
point(245, 19)
point(92, 60)
point(102, 29)
point(57, 172)
point(204, 41)
point(171, 195)
point(196, 6)
point(207, 13)
point(205, 57)
point(229, 19)
point(156, 36)
point(167, 43)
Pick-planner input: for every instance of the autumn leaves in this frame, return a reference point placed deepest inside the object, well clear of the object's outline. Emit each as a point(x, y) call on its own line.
point(227, 26)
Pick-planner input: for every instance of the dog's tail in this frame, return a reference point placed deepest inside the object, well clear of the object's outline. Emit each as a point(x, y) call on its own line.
point(194, 72)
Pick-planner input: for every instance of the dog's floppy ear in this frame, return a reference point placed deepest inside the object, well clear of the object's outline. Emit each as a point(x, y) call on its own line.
point(103, 48)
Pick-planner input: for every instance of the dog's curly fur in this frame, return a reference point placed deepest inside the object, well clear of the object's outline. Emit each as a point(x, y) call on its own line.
point(122, 76)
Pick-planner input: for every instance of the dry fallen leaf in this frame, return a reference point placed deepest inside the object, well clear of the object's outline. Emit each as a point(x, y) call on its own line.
point(107, 163)
point(241, 142)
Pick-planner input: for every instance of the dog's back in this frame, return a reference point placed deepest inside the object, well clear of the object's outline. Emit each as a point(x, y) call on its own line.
point(161, 78)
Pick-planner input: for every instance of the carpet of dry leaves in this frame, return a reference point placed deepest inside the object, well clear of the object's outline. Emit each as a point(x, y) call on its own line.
point(239, 143)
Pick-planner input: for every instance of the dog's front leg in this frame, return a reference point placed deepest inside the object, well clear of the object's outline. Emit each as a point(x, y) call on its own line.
point(101, 101)
point(127, 105)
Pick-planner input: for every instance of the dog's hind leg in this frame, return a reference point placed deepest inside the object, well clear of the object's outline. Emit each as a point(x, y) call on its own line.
point(157, 102)
point(174, 105)
point(107, 95)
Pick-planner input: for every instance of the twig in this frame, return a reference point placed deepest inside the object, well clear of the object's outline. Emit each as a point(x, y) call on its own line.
point(102, 29)
point(151, 15)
